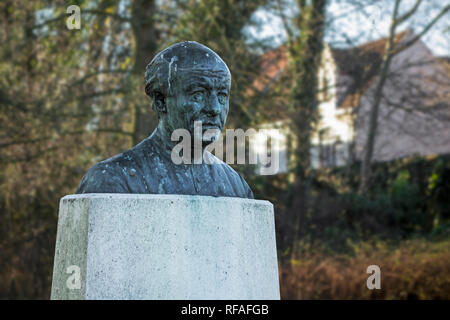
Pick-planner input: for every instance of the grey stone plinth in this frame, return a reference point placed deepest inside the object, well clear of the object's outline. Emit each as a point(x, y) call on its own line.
point(135, 246)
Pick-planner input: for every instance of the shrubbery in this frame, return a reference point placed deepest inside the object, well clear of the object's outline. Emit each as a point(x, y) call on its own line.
point(416, 269)
point(328, 234)
point(408, 198)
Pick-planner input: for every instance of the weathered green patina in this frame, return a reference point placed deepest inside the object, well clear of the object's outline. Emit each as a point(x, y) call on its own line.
point(188, 83)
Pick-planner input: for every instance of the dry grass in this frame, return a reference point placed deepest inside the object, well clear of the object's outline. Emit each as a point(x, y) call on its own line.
point(413, 270)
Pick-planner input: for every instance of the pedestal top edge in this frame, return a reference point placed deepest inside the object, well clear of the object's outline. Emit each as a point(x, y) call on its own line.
point(138, 196)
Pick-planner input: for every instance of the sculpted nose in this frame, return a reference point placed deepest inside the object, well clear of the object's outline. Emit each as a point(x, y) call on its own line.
point(214, 107)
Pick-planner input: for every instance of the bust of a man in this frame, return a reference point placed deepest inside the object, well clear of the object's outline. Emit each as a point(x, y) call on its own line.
point(188, 83)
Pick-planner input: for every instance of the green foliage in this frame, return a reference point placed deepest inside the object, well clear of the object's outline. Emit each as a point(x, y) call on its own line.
point(407, 200)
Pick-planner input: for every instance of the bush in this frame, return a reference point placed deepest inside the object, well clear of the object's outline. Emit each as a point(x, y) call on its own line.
point(407, 198)
point(416, 269)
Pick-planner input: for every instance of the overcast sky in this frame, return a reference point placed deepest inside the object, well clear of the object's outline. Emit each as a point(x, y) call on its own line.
point(362, 24)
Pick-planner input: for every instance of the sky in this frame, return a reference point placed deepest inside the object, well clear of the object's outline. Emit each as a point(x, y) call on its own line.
point(364, 24)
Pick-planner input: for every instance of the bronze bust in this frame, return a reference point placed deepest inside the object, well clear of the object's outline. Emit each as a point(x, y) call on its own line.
point(188, 82)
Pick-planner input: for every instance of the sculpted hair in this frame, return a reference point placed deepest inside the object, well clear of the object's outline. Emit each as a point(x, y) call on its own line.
point(162, 70)
point(157, 75)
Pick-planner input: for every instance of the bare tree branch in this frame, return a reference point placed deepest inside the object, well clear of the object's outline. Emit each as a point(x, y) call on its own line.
point(408, 14)
point(410, 42)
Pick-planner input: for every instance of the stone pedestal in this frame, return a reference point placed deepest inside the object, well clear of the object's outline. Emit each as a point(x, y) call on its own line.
point(134, 246)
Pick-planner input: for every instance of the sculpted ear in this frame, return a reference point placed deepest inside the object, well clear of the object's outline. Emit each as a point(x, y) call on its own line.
point(159, 102)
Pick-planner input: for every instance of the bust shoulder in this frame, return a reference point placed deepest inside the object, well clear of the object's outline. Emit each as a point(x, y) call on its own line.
point(232, 174)
point(119, 173)
point(104, 177)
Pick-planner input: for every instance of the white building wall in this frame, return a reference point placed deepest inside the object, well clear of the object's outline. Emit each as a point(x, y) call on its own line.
point(403, 129)
point(335, 124)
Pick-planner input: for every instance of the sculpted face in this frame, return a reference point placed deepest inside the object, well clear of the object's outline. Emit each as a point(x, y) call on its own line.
point(189, 83)
point(199, 94)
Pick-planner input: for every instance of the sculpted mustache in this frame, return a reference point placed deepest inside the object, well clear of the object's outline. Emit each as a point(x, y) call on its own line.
point(210, 122)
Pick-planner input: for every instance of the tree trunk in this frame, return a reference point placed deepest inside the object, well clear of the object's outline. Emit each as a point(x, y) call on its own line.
point(305, 56)
point(390, 51)
point(146, 44)
point(305, 52)
point(374, 110)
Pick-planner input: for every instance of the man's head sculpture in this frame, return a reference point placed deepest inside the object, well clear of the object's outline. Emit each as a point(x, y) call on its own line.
point(188, 82)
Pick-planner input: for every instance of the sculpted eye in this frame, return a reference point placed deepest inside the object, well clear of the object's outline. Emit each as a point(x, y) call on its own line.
point(222, 97)
point(198, 96)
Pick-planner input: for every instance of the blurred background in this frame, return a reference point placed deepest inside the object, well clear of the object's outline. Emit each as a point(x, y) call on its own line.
point(355, 92)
